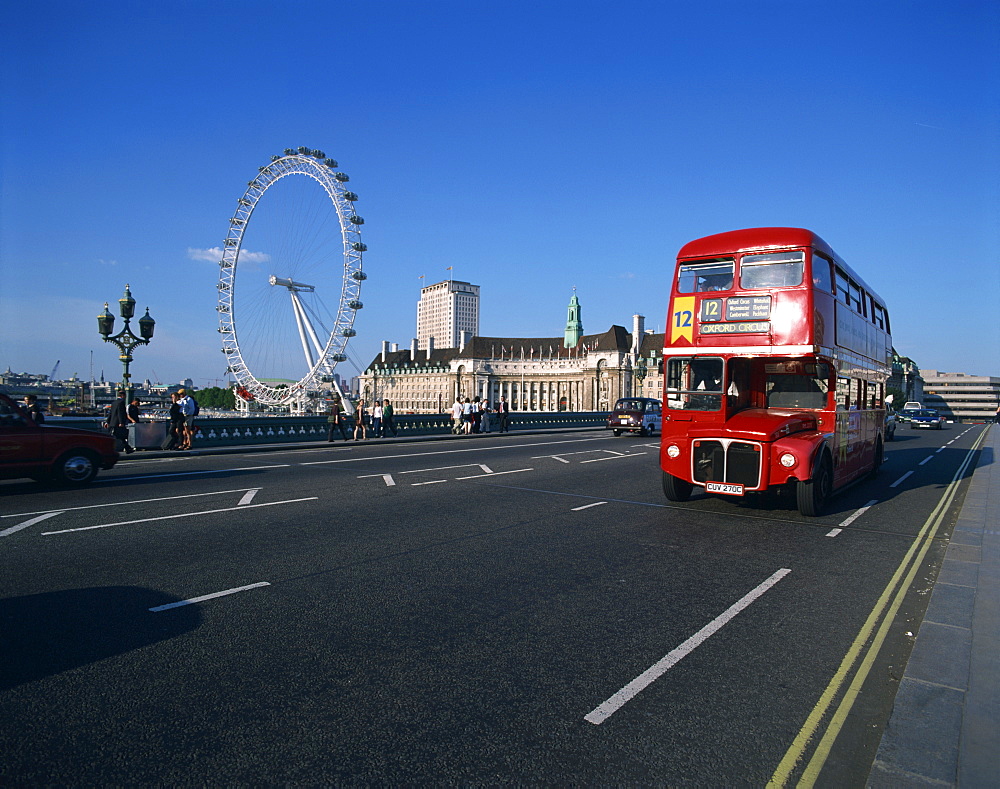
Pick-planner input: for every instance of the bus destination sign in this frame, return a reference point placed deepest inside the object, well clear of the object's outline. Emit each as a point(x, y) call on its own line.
point(743, 327)
point(748, 308)
point(735, 308)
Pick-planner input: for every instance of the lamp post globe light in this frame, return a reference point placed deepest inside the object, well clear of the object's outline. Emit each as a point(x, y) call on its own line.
point(125, 340)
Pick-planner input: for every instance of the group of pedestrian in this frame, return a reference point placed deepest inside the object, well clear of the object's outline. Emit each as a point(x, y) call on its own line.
point(181, 427)
point(475, 416)
point(380, 418)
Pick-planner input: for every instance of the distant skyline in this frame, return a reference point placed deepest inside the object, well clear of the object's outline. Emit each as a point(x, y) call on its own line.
point(525, 147)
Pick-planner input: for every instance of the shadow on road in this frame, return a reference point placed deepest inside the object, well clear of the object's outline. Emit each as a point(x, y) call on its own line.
point(46, 634)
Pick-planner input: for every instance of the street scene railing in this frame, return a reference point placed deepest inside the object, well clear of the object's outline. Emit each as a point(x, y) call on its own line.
point(235, 431)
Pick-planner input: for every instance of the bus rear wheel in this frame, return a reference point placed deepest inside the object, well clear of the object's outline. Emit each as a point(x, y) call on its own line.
point(675, 488)
point(812, 494)
point(879, 459)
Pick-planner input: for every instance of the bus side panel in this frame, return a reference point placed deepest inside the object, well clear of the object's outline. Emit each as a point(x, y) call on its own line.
point(791, 323)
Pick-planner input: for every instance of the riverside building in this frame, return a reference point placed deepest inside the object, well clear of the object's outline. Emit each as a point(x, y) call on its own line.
point(960, 396)
point(533, 374)
point(447, 311)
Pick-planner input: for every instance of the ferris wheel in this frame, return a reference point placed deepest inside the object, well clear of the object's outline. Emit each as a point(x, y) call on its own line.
point(290, 280)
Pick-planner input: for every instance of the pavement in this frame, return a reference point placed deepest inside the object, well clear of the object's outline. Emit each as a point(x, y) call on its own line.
point(945, 723)
point(944, 730)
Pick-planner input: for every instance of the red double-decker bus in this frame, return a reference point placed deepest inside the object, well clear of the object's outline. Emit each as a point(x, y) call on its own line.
point(775, 362)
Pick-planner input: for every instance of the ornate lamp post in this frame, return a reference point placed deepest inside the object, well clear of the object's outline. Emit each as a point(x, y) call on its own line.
point(125, 340)
point(639, 373)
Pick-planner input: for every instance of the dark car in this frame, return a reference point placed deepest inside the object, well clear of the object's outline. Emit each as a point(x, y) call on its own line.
point(65, 455)
point(640, 415)
point(926, 418)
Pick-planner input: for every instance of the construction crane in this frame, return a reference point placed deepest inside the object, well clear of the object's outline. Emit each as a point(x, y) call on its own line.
point(52, 375)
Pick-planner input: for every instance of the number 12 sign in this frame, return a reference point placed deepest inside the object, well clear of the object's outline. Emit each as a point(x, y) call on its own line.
point(682, 321)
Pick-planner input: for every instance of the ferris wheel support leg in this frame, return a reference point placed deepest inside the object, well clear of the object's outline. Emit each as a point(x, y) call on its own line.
point(301, 322)
point(312, 333)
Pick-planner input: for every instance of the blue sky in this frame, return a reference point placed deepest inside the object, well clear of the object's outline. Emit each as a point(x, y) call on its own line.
point(533, 146)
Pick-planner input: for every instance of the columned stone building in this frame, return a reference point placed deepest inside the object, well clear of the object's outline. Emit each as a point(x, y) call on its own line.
point(533, 374)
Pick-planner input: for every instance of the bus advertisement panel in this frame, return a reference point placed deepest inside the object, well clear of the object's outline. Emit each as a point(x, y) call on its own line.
point(776, 359)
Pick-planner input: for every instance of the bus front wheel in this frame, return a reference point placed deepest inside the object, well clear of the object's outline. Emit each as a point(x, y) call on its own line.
point(812, 494)
point(675, 488)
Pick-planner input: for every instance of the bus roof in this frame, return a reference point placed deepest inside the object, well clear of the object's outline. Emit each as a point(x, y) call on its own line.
point(754, 238)
point(757, 238)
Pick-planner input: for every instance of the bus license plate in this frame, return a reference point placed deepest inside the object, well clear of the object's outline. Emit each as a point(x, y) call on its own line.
point(724, 487)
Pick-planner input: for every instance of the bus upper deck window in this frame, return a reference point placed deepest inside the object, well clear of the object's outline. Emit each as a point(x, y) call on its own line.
point(775, 270)
point(705, 276)
point(822, 278)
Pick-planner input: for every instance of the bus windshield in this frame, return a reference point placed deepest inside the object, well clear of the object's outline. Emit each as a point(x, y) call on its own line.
point(776, 270)
point(694, 383)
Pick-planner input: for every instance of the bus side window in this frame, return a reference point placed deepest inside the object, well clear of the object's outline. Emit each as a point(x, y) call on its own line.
point(822, 279)
point(843, 394)
point(738, 390)
point(843, 289)
point(857, 299)
point(879, 314)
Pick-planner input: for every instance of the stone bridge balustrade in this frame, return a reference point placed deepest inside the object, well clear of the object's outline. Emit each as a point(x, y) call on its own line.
point(237, 431)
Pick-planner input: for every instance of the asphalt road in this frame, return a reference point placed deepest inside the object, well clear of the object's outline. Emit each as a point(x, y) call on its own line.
point(488, 610)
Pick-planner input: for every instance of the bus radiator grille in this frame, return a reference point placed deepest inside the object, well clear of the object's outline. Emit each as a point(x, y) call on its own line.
point(739, 463)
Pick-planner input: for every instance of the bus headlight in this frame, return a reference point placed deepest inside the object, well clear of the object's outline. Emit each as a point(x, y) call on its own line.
point(787, 460)
point(673, 451)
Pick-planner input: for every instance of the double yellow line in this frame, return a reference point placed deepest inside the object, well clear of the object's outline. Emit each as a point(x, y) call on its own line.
point(885, 611)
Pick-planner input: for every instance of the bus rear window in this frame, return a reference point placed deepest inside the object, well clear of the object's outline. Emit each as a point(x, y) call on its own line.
point(705, 276)
point(775, 270)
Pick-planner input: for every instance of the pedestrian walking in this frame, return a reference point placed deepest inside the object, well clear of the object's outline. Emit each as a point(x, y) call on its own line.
point(467, 416)
point(456, 416)
point(388, 419)
point(377, 419)
point(485, 425)
point(117, 423)
point(361, 420)
point(175, 427)
point(503, 416)
point(33, 409)
point(335, 420)
point(477, 414)
point(189, 407)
